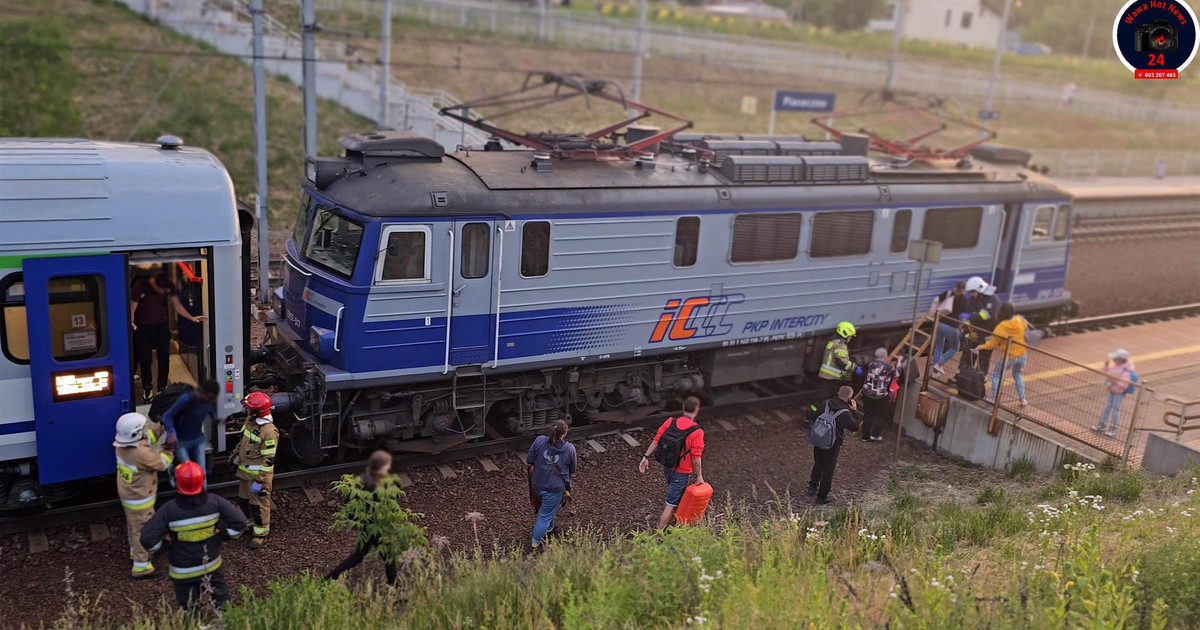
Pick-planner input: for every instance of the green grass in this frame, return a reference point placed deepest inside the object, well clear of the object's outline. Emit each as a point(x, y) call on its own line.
point(926, 560)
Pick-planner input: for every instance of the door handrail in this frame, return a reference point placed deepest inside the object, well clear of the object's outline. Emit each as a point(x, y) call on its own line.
point(449, 299)
point(499, 278)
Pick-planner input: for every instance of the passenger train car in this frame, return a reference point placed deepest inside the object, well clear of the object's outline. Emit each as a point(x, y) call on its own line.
point(431, 298)
point(78, 221)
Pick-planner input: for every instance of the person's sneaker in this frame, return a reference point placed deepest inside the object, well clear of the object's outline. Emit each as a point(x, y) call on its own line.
point(812, 489)
point(1111, 433)
point(876, 438)
point(147, 575)
point(1098, 428)
point(866, 438)
point(938, 369)
point(1024, 403)
point(147, 395)
point(825, 500)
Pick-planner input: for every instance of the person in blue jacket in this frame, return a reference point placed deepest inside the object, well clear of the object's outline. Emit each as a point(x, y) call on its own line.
point(185, 420)
point(553, 460)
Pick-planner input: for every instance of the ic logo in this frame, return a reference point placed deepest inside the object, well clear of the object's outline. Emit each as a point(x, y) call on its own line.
point(695, 317)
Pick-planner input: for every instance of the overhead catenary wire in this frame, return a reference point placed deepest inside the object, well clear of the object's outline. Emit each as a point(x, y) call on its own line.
point(183, 59)
point(112, 88)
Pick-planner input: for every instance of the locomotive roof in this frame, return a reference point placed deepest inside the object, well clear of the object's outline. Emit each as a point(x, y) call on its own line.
point(76, 195)
point(508, 182)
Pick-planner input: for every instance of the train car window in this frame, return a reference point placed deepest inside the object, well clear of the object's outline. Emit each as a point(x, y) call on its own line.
point(1042, 222)
point(333, 242)
point(301, 226)
point(836, 234)
point(687, 241)
point(14, 335)
point(476, 247)
point(956, 228)
point(901, 224)
point(771, 237)
point(535, 249)
point(405, 255)
point(77, 317)
point(1061, 222)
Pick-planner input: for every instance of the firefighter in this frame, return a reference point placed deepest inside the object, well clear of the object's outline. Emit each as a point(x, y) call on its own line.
point(255, 461)
point(188, 527)
point(836, 367)
point(139, 460)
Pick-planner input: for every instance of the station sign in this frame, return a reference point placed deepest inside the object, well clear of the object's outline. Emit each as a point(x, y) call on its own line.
point(789, 101)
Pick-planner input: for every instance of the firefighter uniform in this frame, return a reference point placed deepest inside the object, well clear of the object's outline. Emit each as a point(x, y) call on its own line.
point(836, 367)
point(138, 466)
point(256, 463)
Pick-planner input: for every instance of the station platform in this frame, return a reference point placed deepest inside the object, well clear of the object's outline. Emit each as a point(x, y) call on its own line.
point(1066, 392)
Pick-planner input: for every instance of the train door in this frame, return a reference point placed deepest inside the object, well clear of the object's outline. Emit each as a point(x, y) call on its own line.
point(79, 361)
point(1009, 242)
point(472, 321)
point(1039, 268)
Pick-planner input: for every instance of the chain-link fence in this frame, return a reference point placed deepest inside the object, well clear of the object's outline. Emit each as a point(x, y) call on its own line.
point(1038, 386)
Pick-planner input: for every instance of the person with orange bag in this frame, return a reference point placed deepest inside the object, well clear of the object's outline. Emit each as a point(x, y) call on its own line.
point(678, 447)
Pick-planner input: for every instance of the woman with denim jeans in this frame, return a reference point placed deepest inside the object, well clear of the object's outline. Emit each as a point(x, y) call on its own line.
point(951, 305)
point(1119, 368)
point(553, 460)
point(1011, 326)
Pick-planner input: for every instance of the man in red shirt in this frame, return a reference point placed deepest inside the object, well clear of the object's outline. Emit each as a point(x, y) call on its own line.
point(688, 438)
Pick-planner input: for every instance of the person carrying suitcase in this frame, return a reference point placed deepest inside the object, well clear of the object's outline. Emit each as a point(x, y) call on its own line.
point(678, 446)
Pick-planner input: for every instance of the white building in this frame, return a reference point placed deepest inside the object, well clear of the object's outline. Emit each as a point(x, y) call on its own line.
point(970, 22)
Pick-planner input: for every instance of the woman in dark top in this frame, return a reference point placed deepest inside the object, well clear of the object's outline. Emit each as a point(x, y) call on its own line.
point(151, 300)
point(378, 465)
point(553, 460)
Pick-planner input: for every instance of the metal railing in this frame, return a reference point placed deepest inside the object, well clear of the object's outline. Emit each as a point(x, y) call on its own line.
point(1189, 410)
point(572, 28)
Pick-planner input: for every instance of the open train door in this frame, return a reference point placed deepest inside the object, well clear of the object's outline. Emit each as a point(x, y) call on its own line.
point(78, 316)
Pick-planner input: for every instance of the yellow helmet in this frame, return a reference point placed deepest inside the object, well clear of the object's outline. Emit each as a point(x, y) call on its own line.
point(846, 330)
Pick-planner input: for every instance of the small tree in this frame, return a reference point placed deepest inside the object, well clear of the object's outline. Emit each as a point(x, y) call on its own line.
point(378, 516)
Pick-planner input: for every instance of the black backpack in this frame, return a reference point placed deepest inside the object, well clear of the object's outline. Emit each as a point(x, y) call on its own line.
point(672, 444)
point(167, 397)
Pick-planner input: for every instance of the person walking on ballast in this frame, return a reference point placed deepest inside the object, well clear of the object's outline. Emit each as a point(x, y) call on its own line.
point(845, 417)
point(553, 460)
point(139, 460)
point(837, 368)
point(379, 465)
point(1121, 377)
point(877, 394)
point(678, 446)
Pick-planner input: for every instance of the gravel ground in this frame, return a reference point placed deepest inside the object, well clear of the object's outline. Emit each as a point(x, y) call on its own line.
point(1133, 275)
point(742, 465)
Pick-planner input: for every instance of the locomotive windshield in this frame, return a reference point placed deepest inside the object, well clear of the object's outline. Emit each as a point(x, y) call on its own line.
point(333, 242)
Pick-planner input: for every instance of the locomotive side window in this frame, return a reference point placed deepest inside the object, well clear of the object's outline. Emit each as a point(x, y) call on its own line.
point(956, 228)
point(1042, 222)
point(476, 246)
point(1061, 222)
point(77, 317)
point(836, 234)
point(687, 241)
point(333, 242)
point(14, 336)
point(405, 255)
point(535, 249)
point(301, 226)
point(901, 224)
point(765, 237)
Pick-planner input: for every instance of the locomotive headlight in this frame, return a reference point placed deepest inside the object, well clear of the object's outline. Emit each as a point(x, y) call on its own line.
point(321, 341)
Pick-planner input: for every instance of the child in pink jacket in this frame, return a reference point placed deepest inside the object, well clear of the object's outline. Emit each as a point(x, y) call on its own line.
point(1119, 368)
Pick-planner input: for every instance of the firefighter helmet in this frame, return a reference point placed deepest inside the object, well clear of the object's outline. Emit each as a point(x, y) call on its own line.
point(258, 404)
point(131, 428)
point(189, 478)
point(976, 284)
point(846, 330)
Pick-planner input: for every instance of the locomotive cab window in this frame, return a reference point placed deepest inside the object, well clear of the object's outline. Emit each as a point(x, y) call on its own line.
point(901, 224)
point(535, 249)
point(404, 255)
point(14, 335)
point(1043, 221)
point(476, 246)
point(77, 317)
point(955, 228)
point(333, 242)
point(1061, 222)
point(838, 234)
point(301, 227)
point(771, 237)
point(687, 241)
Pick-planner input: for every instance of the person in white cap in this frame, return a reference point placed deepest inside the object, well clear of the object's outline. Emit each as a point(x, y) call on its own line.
point(1121, 377)
point(984, 308)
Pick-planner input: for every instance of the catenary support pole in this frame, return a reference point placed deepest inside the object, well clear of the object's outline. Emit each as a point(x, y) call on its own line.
point(639, 51)
point(260, 156)
point(308, 28)
point(541, 25)
point(991, 88)
point(385, 66)
point(906, 393)
point(897, 31)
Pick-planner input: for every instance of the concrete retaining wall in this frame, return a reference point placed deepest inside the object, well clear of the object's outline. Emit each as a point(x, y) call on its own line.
point(965, 435)
point(1165, 456)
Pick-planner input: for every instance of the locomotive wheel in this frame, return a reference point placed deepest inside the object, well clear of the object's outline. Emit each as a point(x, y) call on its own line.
point(306, 444)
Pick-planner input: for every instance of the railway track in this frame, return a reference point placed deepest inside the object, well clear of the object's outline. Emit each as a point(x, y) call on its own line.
point(1135, 227)
point(762, 396)
point(1117, 320)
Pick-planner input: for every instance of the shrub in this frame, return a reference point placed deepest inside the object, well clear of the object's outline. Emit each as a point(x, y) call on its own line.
point(1170, 571)
point(990, 494)
point(377, 517)
point(1021, 469)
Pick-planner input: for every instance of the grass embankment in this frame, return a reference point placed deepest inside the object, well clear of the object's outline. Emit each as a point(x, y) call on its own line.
point(471, 64)
point(1087, 548)
point(119, 62)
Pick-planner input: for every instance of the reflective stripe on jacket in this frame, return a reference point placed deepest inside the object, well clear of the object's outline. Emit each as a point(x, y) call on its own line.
point(836, 360)
point(137, 473)
point(256, 451)
point(193, 523)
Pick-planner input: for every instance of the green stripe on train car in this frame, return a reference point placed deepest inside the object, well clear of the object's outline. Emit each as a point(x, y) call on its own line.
point(14, 262)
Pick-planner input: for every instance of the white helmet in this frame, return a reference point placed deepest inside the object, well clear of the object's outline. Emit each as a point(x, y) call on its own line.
point(977, 284)
point(131, 427)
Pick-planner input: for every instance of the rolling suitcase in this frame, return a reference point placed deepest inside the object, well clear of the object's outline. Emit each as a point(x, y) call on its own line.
point(969, 383)
point(694, 503)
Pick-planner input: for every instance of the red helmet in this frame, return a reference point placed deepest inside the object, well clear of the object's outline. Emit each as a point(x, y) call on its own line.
point(189, 478)
point(258, 403)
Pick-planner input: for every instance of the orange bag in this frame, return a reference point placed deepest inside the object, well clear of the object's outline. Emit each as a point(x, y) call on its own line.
point(694, 503)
